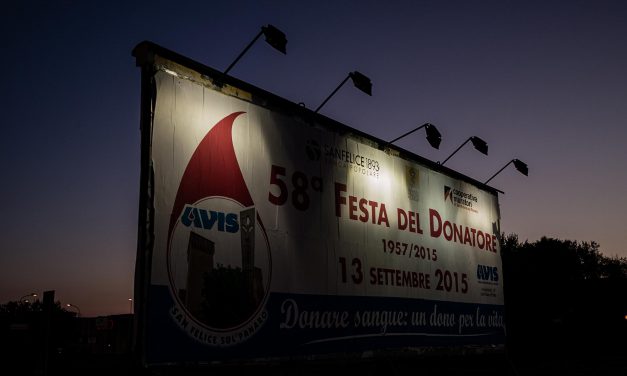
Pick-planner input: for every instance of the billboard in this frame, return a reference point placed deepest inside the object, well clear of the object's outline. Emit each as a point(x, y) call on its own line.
point(268, 231)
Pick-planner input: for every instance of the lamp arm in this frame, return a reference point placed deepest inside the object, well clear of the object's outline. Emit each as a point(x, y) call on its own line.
point(456, 150)
point(498, 172)
point(406, 134)
point(333, 93)
point(243, 52)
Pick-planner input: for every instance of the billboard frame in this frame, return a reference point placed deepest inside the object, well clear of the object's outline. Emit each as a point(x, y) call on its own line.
point(146, 54)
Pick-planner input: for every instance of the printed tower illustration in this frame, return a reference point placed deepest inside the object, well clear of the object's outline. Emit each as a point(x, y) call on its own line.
point(252, 275)
point(223, 296)
point(200, 253)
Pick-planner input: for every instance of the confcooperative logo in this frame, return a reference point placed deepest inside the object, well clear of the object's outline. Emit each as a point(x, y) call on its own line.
point(447, 194)
point(461, 199)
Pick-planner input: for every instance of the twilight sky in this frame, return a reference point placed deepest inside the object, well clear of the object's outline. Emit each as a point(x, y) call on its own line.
point(542, 81)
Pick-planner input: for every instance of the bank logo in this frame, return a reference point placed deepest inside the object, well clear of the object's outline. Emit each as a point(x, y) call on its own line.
point(461, 199)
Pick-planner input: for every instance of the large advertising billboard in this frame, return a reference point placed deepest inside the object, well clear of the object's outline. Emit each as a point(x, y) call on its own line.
point(279, 232)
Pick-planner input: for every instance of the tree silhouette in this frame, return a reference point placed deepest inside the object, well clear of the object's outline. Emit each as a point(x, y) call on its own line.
point(562, 293)
point(17, 309)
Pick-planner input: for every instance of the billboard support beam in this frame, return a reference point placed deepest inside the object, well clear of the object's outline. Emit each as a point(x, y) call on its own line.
point(145, 233)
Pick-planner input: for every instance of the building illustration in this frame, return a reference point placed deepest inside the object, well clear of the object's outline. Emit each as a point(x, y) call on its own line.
point(223, 296)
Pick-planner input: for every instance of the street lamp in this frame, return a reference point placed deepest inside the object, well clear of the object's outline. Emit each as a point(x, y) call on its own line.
point(520, 166)
point(73, 306)
point(361, 82)
point(32, 294)
point(274, 37)
point(433, 136)
point(478, 143)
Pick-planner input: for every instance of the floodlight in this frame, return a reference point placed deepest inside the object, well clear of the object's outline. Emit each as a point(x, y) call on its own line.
point(275, 37)
point(361, 82)
point(433, 136)
point(521, 167)
point(480, 145)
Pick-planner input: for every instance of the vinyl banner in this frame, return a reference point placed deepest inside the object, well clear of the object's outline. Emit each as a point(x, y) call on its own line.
point(279, 236)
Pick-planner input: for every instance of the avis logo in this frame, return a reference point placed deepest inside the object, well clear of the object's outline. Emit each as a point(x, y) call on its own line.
point(487, 273)
point(207, 219)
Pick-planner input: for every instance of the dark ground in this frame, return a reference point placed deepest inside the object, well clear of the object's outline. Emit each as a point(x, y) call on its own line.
point(599, 360)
